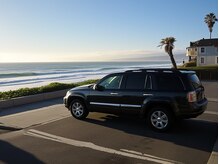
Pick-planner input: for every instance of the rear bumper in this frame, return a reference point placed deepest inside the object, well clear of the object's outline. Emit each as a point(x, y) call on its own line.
point(194, 109)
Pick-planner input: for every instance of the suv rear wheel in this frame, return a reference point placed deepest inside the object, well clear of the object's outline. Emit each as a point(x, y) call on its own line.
point(78, 109)
point(160, 119)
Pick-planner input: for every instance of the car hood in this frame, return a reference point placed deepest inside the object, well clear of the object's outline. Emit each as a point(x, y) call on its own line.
point(83, 87)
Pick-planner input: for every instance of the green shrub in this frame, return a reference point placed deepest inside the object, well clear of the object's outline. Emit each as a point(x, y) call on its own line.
point(190, 64)
point(205, 72)
point(43, 89)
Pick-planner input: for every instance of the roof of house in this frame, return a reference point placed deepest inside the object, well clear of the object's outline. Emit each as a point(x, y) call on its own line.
point(205, 42)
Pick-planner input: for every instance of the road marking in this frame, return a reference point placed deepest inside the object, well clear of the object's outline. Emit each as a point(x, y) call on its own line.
point(214, 155)
point(122, 152)
point(212, 99)
point(211, 112)
point(147, 155)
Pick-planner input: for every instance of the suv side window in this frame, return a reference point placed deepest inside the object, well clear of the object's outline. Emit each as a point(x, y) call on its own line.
point(169, 82)
point(149, 82)
point(135, 81)
point(112, 82)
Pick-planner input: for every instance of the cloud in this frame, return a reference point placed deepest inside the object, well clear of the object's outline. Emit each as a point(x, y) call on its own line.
point(144, 55)
point(124, 54)
point(119, 55)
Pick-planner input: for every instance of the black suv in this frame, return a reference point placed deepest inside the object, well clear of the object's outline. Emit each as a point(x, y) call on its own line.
point(159, 95)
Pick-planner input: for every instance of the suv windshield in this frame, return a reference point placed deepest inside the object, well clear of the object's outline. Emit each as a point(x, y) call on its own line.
point(112, 82)
point(195, 81)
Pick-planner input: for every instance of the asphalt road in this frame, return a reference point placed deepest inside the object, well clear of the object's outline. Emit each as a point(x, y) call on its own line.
point(48, 134)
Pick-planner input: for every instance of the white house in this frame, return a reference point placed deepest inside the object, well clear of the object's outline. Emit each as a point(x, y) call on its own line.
point(204, 51)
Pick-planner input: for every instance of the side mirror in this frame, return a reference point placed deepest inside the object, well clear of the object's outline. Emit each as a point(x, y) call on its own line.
point(98, 87)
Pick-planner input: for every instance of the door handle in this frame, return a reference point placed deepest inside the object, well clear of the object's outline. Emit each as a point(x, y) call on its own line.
point(145, 94)
point(114, 93)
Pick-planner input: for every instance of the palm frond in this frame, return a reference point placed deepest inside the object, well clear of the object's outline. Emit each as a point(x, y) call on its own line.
point(168, 42)
point(209, 18)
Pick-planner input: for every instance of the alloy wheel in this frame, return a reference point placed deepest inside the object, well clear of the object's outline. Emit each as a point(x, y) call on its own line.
point(77, 109)
point(159, 119)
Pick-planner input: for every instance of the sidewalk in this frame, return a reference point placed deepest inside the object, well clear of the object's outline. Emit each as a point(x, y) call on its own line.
point(211, 92)
point(33, 114)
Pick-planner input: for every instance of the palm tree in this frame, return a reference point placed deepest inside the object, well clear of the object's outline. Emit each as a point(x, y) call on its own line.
point(210, 20)
point(168, 47)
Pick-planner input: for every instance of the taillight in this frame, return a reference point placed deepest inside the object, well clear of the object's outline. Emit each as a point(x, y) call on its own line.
point(192, 96)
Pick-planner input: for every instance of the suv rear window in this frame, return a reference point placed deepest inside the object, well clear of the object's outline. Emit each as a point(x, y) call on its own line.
point(195, 81)
point(169, 82)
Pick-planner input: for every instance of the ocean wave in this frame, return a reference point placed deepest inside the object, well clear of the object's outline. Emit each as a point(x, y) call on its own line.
point(108, 68)
point(78, 70)
point(8, 75)
point(33, 76)
point(14, 75)
point(61, 77)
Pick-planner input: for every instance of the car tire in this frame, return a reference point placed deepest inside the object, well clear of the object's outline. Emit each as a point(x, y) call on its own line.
point(78, 109)
point(160, 119)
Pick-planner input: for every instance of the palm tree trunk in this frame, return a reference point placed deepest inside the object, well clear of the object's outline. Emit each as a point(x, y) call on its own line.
point(172, 60)
point(210, 35)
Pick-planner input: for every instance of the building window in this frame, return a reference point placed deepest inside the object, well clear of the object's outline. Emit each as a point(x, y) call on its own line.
point(202, 50)
point(202, 60)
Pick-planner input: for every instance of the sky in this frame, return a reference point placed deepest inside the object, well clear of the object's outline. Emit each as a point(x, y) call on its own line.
point(99, 30)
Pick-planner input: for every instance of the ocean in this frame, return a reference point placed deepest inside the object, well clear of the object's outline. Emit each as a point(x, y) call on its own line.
point(20, 75)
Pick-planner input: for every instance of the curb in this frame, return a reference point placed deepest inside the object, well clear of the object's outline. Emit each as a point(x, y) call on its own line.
point(31, 99)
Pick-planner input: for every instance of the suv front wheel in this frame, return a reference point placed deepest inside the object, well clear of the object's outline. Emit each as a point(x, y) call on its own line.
point(78, 109)
point(160, 119)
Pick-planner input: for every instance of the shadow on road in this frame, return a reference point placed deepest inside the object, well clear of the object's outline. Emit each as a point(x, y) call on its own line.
point(2, 127)
point(11, 154)
point(191, 133)
point(5, 129)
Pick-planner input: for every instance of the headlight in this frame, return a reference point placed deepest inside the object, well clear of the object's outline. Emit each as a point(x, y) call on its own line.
point(68, 93)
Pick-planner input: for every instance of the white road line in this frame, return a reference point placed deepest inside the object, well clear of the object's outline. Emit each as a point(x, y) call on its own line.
point(210, 112)
point(124, 152)
point(212, 99)
point(214, 154)
point(147, 155)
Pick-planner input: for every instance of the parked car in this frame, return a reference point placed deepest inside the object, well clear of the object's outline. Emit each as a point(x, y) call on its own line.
point(159, 95)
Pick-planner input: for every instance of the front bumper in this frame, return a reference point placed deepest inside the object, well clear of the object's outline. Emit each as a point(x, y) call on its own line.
point(65, 101)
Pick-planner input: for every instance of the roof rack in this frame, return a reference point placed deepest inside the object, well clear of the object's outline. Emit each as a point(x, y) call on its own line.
point(161, 70)
point(168, 70)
